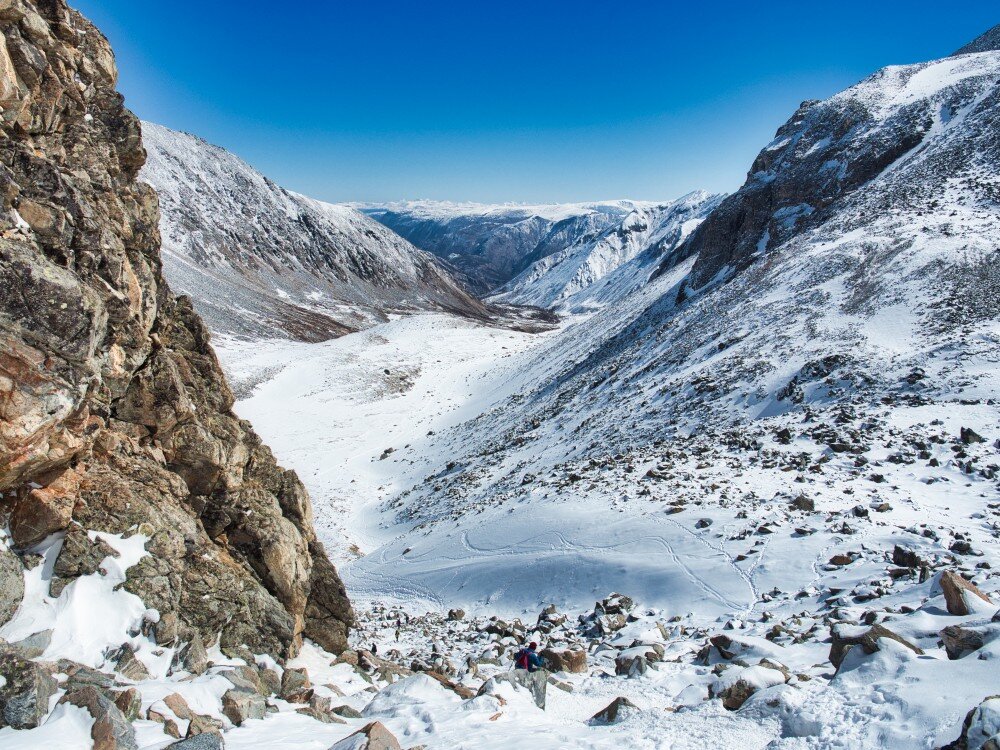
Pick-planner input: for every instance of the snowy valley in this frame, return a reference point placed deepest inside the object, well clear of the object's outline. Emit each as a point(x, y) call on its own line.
point(732, 461)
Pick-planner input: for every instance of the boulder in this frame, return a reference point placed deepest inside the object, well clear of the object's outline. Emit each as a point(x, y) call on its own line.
point(245, 677)
point(961, 597)
point(905, 558)
point(295, 685)
point(129, 702)
point(44, 510)
point(200, 742)
point(534, 682)
point(129, 665)
point(609, 714)
point(735, 686)
point(959, 641)
point(111, 729)
point(454, 615)
point(347, 712)
point(26, 690)
point(11, 584)
point(202, 724)
point(373, 736)
point(846, 637)
point(179, 705)
point(78, 556)
point(195, 657)
point(981, 728)
point(242, 705)
point(564, 660)
point(34, 645)
point(169, 725)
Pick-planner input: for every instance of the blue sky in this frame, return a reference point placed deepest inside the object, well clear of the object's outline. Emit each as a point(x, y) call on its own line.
point(518, 101)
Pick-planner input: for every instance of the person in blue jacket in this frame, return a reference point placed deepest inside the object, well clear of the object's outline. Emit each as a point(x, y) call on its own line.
point(527, 658)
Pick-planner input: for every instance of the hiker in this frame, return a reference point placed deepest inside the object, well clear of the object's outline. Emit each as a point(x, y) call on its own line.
point(526, 658)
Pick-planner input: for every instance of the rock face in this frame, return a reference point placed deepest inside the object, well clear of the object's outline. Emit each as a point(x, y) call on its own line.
point(114, 413)
point(825, 153)
point(988, 41)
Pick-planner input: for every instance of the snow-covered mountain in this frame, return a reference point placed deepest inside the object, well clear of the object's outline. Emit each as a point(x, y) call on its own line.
point(260, 261)
point(564, 279)
point(784, 445)
point(489, 244)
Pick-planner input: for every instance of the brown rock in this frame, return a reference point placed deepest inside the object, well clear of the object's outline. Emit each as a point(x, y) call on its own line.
point(609, 714)
point(959, 641)
point(374, 736)
point(44, 511)
point(111, 729)
point(129, 702)
point(957, 592)
point(565, 660)
point(176, 703)
point(844, 641)
point(201, 724)
point(169, 725)
point(295, 685)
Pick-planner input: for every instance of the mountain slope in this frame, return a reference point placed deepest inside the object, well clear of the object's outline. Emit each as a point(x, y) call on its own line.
point(261, 261)
point(490, 244)
point(831, 332)
point(561, 278)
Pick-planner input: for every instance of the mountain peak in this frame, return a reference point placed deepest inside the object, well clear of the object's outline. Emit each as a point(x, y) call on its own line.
point(983, 43)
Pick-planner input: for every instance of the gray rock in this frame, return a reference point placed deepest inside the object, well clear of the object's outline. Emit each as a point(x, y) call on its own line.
point(11, 584)
point(200, 742)
point(28, 686)
point(534, 682)
point(111, 729)
point(195, 658)
point(79, 556)
point(130, 666)
point(347, 712)
point(34, 645)
point(242, 705)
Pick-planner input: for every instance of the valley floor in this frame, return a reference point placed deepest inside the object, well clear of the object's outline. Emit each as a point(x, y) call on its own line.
point(768, 537)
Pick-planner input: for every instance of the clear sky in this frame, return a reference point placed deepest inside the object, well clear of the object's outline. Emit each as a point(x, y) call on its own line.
point(511, 101)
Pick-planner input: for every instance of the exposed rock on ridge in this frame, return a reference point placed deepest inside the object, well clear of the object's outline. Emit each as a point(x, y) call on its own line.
point(114, 413)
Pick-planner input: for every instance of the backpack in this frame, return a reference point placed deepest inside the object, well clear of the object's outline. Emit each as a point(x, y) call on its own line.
point(523, 659)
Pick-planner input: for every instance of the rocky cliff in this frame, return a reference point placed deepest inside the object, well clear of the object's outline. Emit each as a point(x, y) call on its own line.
point(116, 417)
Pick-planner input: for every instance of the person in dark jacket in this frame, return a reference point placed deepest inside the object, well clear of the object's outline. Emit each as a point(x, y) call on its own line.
point(528, 658)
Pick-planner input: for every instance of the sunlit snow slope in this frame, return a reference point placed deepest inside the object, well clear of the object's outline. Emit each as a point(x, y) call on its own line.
point(261, 261)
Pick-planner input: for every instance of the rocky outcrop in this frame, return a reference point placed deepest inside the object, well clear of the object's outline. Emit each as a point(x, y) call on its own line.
point(984, 43)
point(828, 150)
point(114, 413)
